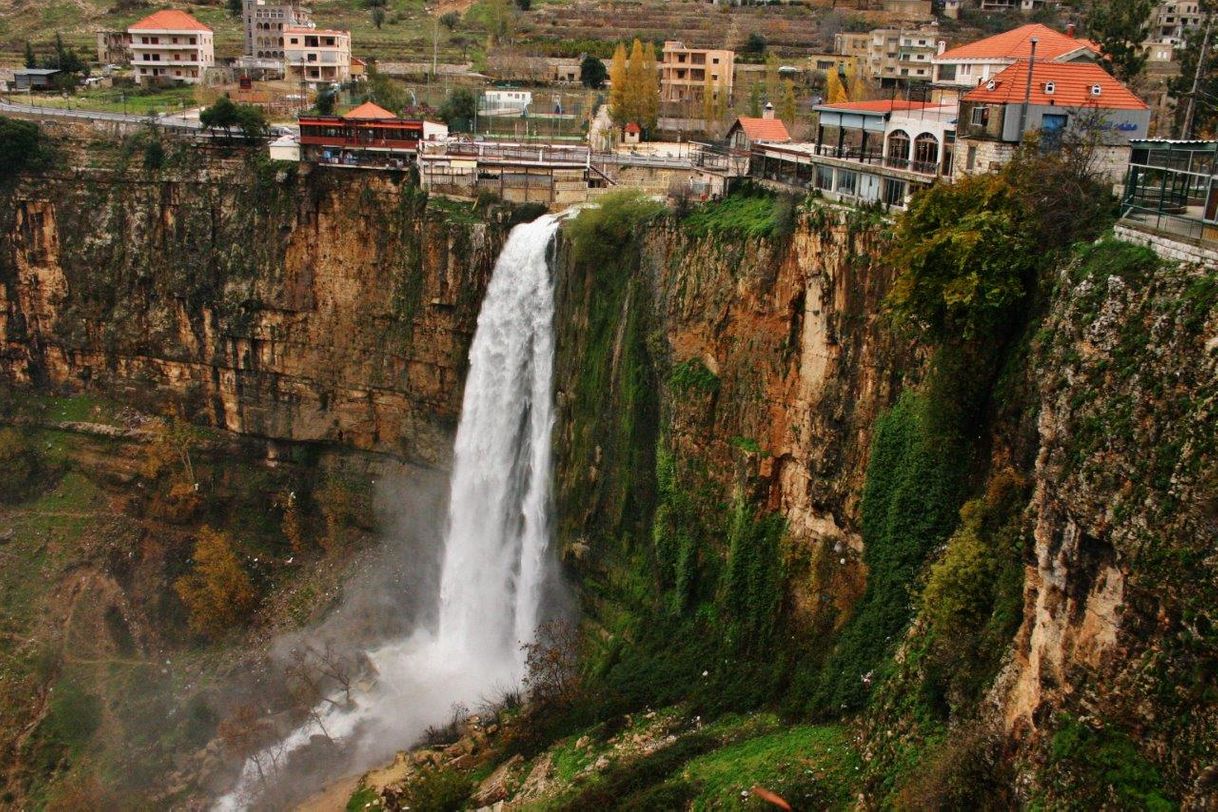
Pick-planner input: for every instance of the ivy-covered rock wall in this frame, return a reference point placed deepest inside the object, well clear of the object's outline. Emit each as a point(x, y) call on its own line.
point(992, 553)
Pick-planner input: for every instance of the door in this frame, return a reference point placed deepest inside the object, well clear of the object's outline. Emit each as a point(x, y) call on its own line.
point(1052, 127)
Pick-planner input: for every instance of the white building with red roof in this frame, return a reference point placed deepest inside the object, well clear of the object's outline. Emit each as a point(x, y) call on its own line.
point(1059, 100)
point(171, 47)
point(749, 130)
point(968, 66)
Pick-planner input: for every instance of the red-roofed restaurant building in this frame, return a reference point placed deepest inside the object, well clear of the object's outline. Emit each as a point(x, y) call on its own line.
point(170, 47)
point(369, 134)
point(867, 151)
point(1063, 98)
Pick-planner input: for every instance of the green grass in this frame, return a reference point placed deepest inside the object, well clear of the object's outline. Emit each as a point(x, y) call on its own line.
point(803, 761)
point(747, 213)
point(364, 798)
point(110, 100)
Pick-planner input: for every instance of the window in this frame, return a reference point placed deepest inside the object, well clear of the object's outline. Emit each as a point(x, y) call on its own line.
point(894, 192)
point(971, 160)
point(824, 177)
point(847, 183)
point(898, 148)
point(926, 153)
point(980, 116)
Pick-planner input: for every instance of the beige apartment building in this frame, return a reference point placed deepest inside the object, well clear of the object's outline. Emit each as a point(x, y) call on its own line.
point(317, 55)
point(265, 21)
point(684, 73)
point(171, 47)
point(891, 55)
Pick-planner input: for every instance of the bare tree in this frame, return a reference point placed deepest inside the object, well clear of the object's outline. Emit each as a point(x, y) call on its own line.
point(318, 679)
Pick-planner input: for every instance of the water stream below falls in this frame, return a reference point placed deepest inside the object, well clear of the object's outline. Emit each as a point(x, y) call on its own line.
point(493, 576)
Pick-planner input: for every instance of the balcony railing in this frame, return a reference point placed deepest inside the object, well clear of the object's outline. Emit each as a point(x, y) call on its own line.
point(876, 157)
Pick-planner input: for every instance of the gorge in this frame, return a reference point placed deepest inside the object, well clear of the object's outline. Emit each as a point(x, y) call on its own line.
point(973, 556)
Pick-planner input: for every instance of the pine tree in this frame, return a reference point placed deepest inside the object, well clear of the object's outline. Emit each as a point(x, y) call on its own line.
point(708, 100)
point(617, 86)
point(31, 60)
point(1119, 28)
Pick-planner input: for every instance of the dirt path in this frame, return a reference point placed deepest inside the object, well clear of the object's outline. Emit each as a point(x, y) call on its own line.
point(333, 796)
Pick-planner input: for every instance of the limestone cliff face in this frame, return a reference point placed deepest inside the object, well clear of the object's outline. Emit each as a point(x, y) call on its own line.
point(1122, 586)
point(791, 329)
point(333, 307)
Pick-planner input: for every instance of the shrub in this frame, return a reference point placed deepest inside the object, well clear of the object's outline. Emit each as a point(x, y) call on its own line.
point(599, 233)
point(1100, 768)
point(346, 505)
point(966, 258)
point(23, 146)
point(692, 376)
point(217, 593)
point(436, 790)
point(21, 466)
point(749, 211)
point(73, 716)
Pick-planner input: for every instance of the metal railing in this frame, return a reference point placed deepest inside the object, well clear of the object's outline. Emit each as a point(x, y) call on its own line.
point(1172, 226)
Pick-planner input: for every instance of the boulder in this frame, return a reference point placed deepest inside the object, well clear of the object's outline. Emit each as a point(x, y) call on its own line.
point(498, 785)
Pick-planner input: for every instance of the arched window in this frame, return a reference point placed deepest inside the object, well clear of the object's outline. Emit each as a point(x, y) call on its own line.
point(898, 149)
point(926, 153)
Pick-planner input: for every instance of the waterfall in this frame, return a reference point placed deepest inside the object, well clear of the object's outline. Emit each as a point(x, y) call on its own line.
point(498, 526)
point(496, 538)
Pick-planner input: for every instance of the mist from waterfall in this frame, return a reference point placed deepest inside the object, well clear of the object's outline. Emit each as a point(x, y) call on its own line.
point(493, 572)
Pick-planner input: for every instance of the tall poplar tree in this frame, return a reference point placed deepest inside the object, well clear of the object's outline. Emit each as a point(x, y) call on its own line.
point(835, 90)
point(617, 86)
point(649, 90)
point(786, 103)
point(635, 84)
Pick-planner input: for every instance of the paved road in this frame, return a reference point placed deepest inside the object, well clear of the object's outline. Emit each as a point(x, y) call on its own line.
point(97, 115)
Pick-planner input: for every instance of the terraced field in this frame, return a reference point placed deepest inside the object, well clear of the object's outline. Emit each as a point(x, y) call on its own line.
point(789, 29)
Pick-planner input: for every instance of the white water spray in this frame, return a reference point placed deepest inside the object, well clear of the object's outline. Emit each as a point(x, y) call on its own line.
point(493, 572)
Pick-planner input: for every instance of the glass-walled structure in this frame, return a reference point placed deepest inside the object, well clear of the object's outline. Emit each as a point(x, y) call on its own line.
point(1171, 188)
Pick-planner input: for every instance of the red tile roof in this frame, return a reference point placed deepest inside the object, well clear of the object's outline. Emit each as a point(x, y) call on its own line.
point(633, 128)
point(169, 20)
point(369, 111)
point(1017, 44)
point(764, 129)
point(1072, 85)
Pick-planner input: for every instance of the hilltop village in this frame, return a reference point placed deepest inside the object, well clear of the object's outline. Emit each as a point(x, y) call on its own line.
point(865, 102)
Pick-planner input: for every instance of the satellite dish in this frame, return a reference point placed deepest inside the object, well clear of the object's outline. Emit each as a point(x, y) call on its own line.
point(991, 85)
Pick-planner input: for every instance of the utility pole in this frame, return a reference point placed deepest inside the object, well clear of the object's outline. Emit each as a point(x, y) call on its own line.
point(1186, 131)
point(1027, 93)
point(435, 36)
